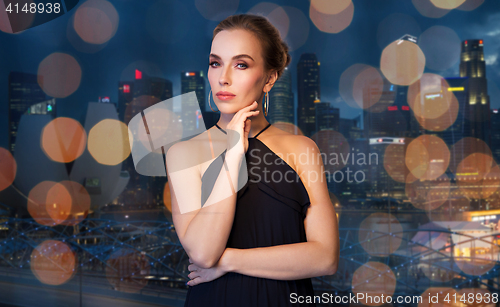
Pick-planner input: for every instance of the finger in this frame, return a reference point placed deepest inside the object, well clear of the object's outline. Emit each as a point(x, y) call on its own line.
point(193, 275)
point(195, 281)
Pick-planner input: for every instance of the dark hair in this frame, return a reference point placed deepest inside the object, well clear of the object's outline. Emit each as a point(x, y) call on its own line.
point(275, 50)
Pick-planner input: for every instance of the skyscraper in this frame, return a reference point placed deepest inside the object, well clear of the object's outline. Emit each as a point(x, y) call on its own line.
point(327, 117)
point(24, 91)
point(281, 107)
point(473, 66)
point(195, 81)
point(133, 97)
point(308, 85)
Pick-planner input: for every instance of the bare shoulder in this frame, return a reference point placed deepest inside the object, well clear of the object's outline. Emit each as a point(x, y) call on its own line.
point(187, 153)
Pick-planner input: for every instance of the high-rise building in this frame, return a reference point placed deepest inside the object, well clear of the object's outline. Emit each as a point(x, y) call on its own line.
point(308, 86)
point(495, 134)
point(133, 97)
point(351, 128)
point(194, 81)
point(473, 66)
point(281, 107)
point(327, 117)
point(24, 92)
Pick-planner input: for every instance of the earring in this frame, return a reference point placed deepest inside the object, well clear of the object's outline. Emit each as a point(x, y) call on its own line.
point(210, 95)
point(266, 104)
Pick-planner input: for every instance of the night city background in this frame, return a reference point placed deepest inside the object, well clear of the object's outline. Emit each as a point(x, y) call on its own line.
point(402, 97)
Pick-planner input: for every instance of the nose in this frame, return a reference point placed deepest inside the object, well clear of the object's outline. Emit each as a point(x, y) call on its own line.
point(225, 76)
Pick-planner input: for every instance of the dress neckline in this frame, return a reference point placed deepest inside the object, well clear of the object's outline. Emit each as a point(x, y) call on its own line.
point(268, 125)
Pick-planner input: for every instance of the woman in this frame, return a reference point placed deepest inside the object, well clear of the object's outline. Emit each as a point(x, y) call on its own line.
point(259, 242)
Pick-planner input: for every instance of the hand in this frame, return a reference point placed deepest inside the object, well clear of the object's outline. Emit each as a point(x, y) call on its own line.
point(199, 275)
point(239, 128)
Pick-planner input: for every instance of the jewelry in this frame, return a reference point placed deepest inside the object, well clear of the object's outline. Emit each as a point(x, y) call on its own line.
point(266, 104)
point(210, 95)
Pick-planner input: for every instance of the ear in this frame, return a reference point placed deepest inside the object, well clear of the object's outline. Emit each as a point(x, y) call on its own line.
point(273, 76)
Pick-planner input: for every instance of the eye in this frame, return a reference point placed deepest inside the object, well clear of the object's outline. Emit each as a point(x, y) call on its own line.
point(242, 64)
point(212, 63)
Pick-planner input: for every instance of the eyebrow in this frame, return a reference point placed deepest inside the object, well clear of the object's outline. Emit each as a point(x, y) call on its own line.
point(236, 57)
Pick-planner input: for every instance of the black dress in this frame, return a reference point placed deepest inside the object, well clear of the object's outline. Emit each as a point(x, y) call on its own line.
point(270, 210)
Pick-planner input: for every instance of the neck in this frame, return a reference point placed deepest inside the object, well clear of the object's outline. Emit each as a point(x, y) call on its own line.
point(259, 122)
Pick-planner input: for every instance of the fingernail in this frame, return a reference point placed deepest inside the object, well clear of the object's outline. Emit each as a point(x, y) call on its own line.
point(187, 283)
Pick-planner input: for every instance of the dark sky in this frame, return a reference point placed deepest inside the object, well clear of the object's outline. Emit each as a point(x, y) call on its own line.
point(191, 34)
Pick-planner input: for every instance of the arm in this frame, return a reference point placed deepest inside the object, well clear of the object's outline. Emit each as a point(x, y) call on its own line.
point(202, 231)
point(319, 255)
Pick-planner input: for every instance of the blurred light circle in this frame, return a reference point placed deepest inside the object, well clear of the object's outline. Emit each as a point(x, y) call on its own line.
point(470, 5)
point(471, 173)
point(80, 200)
point(394, 162)
point(77, 42)
point(465, 147)
point(126, 270)
point(441, 46)
point(444, 121)
point(429, 97)
point(436, 153)
point(440, 293)
point(168, 22)
point(298, 31)
point(63, 139)
point(37, 203)
point(216, 10)
point(395, 26)
point(160, 122)
point(108, 142)
point(276, 15)
point(346, 84)
point(427, 9)
point(58, 204)
point(402, 62)
point(367, 87)
point(96, 21)
point(53, 262)
point(380, 234)
point(334, 148)
point(331, 23)
point(59, 75)
point(447, 4)
point(491, 182)
point(428, 194)
point(8, 168)
point(373, 279)
point(327, 7)
point(288, 127)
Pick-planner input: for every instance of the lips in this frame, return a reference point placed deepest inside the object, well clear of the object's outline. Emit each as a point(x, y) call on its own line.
point(225, 95)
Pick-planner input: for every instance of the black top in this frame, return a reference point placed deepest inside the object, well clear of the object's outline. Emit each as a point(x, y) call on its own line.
point(270, 210)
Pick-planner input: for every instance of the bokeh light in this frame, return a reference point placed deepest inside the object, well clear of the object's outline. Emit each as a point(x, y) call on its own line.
point(447, 4)
point(395, 26)
point(108, 142)
point(53, 262)
point(96, 21)
point(334, 149)
point(8, 168)
point(58, 203)
point(476, 297)
point(326, 7)
point(80, 202)
point(126, 269)
point(473, 171)
point(37, 203)
point(380, 234)
point(161, 24)
point(63, 139)
point(59, 75)
point(427, 157)
point(427, 9)
point(23, 23)
point(298, 31)
point(470, 5)
point(167, 197)
point(429, 97)
point(331, 23)
point(216, 10)
point(367, 87)
point(276, 15)
point(465, 147)
point(441, 47)
point(394, 162)
point(440, 123)
point(374, 279)
point(402, 62)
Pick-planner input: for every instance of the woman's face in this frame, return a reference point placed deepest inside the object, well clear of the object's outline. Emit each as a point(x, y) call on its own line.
point(236, 67)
